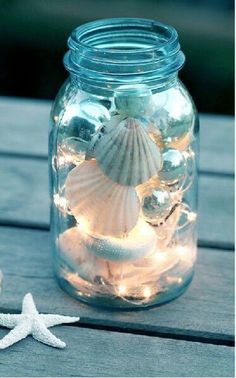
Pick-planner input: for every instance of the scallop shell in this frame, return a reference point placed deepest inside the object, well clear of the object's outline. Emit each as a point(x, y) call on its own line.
point(127, 155)
point(140, 242)
point(101, 206)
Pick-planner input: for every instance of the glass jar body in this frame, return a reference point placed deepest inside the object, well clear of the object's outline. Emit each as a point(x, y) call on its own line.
point(124, 193)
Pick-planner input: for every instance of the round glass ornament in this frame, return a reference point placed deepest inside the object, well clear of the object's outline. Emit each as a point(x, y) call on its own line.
point(156, 206)
point(123, 150)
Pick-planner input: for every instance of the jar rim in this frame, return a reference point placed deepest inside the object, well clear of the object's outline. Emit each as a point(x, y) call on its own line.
point(77, 38)
point(107, 53)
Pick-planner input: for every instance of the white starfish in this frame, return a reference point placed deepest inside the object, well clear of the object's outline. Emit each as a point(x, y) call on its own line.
point(30, 322)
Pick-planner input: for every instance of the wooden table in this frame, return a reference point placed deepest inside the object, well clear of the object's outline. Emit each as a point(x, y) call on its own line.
point(192, 336)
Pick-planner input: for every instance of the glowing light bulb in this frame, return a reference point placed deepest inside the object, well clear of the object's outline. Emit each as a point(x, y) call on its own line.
point(122, 290)
point(160, 256)
point(192, 216)
point(182, 250)
point(60, 202)
point(61, 161)
point(65, 159)
point(189, 153)
point(174, 280)
point(147, 292)
point(82, 225)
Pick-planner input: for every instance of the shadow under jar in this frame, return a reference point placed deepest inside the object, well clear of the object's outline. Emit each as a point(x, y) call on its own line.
point(122, 150)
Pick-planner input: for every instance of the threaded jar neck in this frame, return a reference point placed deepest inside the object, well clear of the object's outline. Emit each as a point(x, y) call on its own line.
point(106, 54)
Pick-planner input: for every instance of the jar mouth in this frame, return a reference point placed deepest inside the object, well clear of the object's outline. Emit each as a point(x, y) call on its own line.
point(118, 50)
point(129, 35)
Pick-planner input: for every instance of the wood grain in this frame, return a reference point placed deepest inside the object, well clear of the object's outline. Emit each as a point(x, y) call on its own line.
point(206, 307)
point(24, 200)
point(24, 131)
point(93, 353)
point(160, 341)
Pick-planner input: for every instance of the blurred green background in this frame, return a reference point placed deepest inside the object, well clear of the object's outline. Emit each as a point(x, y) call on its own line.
point(34, 35)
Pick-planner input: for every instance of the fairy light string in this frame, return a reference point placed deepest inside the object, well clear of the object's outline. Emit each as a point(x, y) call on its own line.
point(175, 178)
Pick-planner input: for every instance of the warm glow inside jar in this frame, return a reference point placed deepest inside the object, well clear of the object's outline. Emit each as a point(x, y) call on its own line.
point(123, 166)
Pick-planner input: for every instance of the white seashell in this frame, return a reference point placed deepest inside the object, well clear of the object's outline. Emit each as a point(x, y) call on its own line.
point(101, 206)
point(127, 155)
point(77, 256)
point(140, 242)
point(149, 269)
point(94, 269)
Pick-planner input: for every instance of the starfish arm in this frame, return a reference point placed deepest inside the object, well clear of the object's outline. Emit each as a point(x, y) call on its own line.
point(42, 334)
point(21, 331)
point(53, 320)
point(9, 320)
point(28, 306)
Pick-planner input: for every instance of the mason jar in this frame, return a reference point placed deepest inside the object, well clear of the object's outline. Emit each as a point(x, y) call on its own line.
point(123, 183)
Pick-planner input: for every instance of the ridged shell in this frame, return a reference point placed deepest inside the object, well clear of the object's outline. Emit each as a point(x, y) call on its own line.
point(127, 155)
point(140, 242)
point(101, 206)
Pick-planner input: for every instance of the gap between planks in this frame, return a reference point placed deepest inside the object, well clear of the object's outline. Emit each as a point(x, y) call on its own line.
point(161, 332)
point(197, 315)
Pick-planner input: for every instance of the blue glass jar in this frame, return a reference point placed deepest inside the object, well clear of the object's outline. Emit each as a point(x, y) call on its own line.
point(123, 166)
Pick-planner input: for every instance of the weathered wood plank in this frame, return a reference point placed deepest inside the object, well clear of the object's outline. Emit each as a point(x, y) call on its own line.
point(24, 191)
point(24, 126)
point(207, 306)
point(216, 210)
point(216, 144)
point(110, 354)
point(24, 130)
point(24, 199)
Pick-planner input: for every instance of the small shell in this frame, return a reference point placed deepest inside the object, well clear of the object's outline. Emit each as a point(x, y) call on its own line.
point(101, 206)
point(127, 155)
point(92, 268)
point(140, 242)
point(77, 256)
